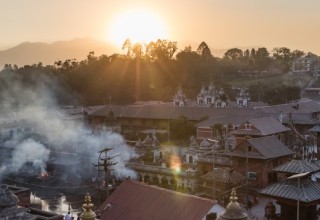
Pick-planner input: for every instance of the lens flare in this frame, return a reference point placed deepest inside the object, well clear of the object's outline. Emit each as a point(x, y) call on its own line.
point(175, 164)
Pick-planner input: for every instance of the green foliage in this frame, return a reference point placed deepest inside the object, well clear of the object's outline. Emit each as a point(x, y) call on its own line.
point(182, 129)
point(281, 95)
point(154, 71)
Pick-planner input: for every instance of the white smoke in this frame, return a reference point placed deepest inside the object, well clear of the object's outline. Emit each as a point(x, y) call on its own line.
point(30, 151)
point(38, 107)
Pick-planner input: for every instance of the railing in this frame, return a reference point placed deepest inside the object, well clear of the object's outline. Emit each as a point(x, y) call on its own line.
point(159, 169)
point(217, 160)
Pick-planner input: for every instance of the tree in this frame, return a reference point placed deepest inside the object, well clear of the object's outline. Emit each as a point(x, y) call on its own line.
point(127, 45)
point(283, 57)
point(137, 50)
point(262, 59)
point(246, 55)
point(188, 56)
point(233, 54)
point(281, 95)
point(204, 51)
point(161, 50)
point(181, 128)
point(296, 54)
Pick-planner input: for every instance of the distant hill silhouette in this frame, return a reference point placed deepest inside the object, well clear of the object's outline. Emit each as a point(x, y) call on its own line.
point(29, 53)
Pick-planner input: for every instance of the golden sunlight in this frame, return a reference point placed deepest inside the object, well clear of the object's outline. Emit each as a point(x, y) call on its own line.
point(138, 25)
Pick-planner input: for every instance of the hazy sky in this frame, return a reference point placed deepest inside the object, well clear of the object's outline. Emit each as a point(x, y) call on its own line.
point(220, 23)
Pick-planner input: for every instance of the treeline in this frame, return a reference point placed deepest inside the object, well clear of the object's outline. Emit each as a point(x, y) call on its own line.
point(155, 71)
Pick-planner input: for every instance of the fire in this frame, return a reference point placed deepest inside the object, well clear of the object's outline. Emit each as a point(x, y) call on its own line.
point(44, 174)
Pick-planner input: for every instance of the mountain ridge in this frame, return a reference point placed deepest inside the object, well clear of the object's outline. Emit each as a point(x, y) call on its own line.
point(28, 53)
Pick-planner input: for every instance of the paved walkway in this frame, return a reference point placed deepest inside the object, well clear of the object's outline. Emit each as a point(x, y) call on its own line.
point(257, 210)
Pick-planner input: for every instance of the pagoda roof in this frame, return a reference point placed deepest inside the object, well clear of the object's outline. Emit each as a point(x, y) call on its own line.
point(288, 189)
point(224, 176)
point(296, 166)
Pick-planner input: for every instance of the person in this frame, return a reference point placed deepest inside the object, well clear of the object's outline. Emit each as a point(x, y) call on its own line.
point(68, 216)
point(249, 205)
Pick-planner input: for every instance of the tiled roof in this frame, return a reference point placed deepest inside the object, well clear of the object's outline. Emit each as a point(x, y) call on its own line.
point(296, 166)
point(288, 189)
point(268, 147)
point(224, 175)
point(136, 201)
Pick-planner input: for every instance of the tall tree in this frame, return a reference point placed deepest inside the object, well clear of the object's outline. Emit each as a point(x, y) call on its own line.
point(127, 45)
point(262, 59)
point(283, 57)
point(204, 51)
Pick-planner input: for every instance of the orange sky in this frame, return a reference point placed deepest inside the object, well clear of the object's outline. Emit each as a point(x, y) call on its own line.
point(221, 24)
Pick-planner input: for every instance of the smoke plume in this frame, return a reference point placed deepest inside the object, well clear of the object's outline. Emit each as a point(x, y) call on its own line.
point(33, 102)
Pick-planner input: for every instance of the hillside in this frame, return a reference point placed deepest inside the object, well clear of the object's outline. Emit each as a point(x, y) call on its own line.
point(35, 52)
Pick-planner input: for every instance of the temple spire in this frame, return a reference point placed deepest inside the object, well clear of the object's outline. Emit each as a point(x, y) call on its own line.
point(87, 214)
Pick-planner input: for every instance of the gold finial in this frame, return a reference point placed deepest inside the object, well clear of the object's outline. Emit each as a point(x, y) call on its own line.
point(87, 214)
point(233, 196)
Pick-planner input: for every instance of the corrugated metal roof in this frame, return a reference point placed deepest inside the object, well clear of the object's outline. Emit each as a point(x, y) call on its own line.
point(268, 125)
point(265, 126)
point(307, 106)
point(136, 201)
point(236, 118)
point(268, 147)
point(296, 166)
point(288, 189)
point(230, 114)
point(168, 111)
point(315, 128)
point(224, 175)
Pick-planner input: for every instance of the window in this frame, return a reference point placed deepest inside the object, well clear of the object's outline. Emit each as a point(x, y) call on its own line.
point(247, 126)
point(252, 175)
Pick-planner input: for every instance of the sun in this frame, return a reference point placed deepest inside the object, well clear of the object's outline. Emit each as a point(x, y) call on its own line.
point(138, 25)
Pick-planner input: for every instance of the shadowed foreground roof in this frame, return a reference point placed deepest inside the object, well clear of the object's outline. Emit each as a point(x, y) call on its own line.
point(133, 200)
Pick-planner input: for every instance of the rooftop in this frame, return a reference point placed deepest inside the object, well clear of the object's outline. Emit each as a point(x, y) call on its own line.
point(135, 200)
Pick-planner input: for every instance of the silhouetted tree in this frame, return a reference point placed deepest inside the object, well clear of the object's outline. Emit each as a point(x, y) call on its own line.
point(233, 54)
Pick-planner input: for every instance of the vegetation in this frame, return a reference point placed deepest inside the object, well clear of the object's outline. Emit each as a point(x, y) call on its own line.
point(156, 70)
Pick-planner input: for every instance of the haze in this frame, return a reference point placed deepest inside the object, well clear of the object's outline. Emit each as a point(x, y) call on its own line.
point(221, 24)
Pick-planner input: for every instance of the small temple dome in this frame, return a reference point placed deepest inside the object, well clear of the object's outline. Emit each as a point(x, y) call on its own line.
point(233, 210)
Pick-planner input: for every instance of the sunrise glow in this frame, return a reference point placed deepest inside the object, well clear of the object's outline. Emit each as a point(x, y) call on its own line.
point(138, 25)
